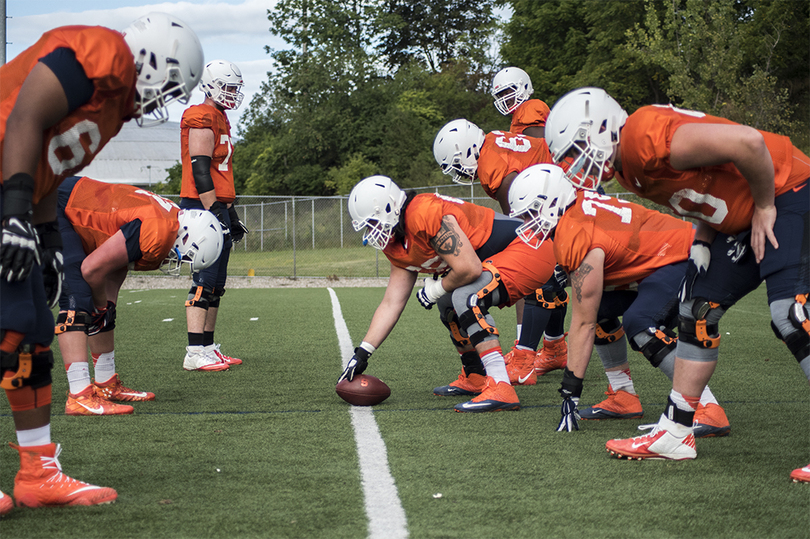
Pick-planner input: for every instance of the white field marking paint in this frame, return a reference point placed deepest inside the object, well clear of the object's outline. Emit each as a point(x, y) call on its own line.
point(386, 516)
point(168, 319)
point(253, 319)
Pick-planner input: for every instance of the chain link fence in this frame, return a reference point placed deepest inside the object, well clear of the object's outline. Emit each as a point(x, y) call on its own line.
point(302, 237)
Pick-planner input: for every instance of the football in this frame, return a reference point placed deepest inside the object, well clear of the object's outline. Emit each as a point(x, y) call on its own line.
point(364, 390)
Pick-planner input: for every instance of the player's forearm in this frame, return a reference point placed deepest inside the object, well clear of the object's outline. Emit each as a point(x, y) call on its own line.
point(581, 334)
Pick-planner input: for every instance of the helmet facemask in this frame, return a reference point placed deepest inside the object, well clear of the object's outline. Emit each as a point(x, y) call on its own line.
point(375, 205)
point(539, 195)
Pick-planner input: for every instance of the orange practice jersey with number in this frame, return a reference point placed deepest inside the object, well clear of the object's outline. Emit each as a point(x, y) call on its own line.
point(530, 113)
point(503, 153)
point(636, 240)
point(205, 116)
point(97, 210)
point(718, 195)
point(423, 220)
point(73, 142)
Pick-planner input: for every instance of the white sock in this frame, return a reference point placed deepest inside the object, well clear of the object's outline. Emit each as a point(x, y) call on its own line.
point(104, 367)
point(32, 437)
point(621, 380)
point(553, 338)
point(78, 374)
point(519, 327)
point(707, 397)
point(495, 367)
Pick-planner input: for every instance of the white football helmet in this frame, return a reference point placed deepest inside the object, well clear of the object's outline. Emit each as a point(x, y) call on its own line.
point(199, 242)
point(511, 87)
point(539, 195)
point(456, 149)
point(221, 81)
point(375, 204)
point(583, 130)
point(168, 61)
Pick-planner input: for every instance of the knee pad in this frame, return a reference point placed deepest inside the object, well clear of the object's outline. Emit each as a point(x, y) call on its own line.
point(662, 343)
point(216, 295)
point(450, 321)
point(199, 296)
point(71, 321)
point(474, 318)
point(28, 366)
point(551, 299)
point(608, 330)
point(798, 342)
point(701, 328)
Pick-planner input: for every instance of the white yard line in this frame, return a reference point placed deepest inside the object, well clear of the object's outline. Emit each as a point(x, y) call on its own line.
point(386, 517)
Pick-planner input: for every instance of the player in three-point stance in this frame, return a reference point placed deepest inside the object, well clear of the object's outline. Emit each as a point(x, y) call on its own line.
point(476, 261)
point(63, 99)
point(748, 191)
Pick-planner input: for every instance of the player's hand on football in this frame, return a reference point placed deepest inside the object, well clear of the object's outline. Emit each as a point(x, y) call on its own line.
point(697, 266)
point(356, 366)
point(52, 261)
point(430, 293)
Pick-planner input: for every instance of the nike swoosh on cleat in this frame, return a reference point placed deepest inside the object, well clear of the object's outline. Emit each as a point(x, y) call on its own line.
point(134, 394)
point(522, 379)
point(636, 445)
point(98, 411)
point(475, 404)
point(88, 487)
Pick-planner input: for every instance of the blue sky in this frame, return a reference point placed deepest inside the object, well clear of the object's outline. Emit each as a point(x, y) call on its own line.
point(234, 30)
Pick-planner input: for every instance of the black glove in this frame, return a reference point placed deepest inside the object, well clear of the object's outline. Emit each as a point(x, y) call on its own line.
point(238, 228)
point(738, 247)
point(561, 276)
point(218, 209)
point(571, 390)
point(18, 248)
point(699, 258)
point(357, 365)
point(52, 262)
point(102, 319)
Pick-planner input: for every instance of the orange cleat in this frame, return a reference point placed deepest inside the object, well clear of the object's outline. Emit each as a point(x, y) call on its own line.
point(496, 397)
point(619, 405)
point(226, 359)
point(507, 358)
point(114, 390)
point(40, 481)
point(87, 402)
point(553, 356)
point(473, 384)
point(6, 503)
point(668, 440)
point(710, 420)
point(801, 475)
point(521, 368)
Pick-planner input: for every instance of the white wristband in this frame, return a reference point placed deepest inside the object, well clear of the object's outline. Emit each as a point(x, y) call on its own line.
point(367, 347)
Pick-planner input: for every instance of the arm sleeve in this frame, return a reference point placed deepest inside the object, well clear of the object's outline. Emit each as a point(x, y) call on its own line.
point(78, 88)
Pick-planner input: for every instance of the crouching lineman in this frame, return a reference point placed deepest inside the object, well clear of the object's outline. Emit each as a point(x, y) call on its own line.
point(107, 229)
point(482, 264)
point(623, 260)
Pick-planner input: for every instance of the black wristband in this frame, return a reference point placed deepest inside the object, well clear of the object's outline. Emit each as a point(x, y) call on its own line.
point(18, 195)
point(201, 170)
point(571, 384)
point(49, 236)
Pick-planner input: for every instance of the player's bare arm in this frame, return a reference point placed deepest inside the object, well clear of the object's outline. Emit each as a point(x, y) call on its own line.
point(587, 284)
point(702, 145)
point(399, 289)
point(503, 192)
point(104, 263)
point(453, 246)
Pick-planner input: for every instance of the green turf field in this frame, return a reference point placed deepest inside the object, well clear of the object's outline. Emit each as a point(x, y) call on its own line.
point(267, 449)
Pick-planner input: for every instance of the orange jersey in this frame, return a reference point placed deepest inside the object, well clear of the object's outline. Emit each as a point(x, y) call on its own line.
point(73, 142)
point(97, 210)
point(636, 240)
point(524, 269)
point(503, 153)
point(530, 113)
point(718, 195)
point(205, 116)
point(423, 220)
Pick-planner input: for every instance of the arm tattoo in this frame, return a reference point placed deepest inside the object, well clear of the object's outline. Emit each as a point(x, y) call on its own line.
point(447, 241)
point(578, 278)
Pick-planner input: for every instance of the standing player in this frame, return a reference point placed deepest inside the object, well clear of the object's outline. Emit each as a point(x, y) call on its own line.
point(208, 184)
point(107, 229)
point(624, 261)
point(748, 191)
point(465, 153)
point(450, 239)
point(511, 89)
point(62, 100)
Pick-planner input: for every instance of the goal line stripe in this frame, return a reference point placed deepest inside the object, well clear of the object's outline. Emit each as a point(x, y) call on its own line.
point(386, 516)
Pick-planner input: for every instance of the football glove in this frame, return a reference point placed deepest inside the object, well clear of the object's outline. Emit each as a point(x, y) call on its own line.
point(218, 209)
point(52, 262)
point(431, 292)
point(18, 247)
point(571, 390)
point(560, 276)
point(101, 319)
point(699, 258)
point(238, 228)
point(356, 366)
point(738, 247)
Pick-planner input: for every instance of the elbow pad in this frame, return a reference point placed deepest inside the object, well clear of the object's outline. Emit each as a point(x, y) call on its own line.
point(201, 170)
